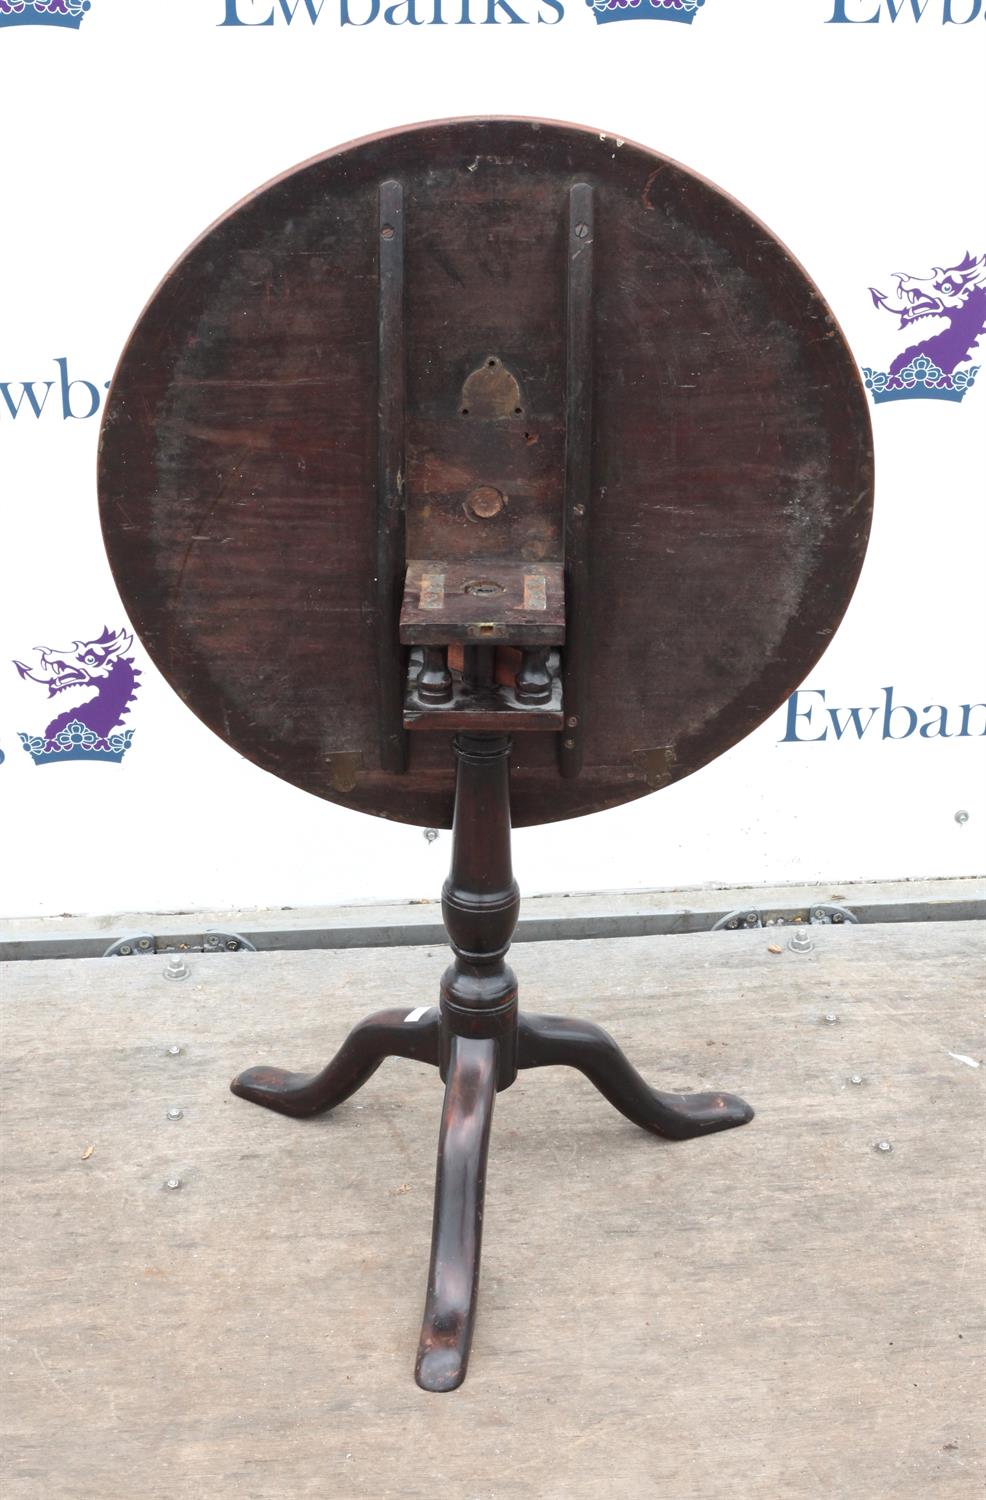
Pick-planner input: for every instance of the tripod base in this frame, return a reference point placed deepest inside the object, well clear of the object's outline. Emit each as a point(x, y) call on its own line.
point(471, 1080)
point(479, 1041)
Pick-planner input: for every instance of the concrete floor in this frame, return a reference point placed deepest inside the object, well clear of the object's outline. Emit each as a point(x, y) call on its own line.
point(779, 1311)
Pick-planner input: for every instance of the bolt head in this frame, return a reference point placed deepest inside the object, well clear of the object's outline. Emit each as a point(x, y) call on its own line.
point(175, 1114)
point(484, 502)
point(856, 1078)
point(174, 1050)
point(830, 1018)
point(884, 1146)
point(173, 1184)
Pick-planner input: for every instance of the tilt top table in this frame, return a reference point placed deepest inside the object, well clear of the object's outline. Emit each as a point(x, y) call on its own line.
point(485, 472)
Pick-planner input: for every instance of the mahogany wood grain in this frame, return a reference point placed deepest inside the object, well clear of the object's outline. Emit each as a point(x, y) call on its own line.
point(729, 496)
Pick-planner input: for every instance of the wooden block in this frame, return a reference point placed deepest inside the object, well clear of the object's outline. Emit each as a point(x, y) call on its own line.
point(483, 599)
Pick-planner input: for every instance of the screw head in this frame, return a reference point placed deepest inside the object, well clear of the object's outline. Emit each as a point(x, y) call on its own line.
point(484, 502)
point(175, 1114)
point(173, 1184)
point(856, 1078)
point(884, 1146)
point(430, 835)
point(830, 1018)
point(961, 816)
point(125, 950)
point(174, 1050)
point(582, 231)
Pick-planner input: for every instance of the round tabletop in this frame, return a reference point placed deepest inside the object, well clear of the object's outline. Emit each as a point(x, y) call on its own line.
point(727, 471)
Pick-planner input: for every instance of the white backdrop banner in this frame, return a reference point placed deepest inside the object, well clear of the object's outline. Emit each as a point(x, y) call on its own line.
point(852, 127)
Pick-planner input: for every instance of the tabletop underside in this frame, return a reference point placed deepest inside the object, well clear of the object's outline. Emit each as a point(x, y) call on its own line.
point(729, 483)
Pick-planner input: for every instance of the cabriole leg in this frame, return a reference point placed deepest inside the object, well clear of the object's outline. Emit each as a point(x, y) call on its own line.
point(548, 1040)
point(388, 1033)
point(457, 1230)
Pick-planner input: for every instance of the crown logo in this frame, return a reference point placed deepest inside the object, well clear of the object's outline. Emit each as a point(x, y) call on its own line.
point(921, 378)
point(68, 13)
point(645, 10)
point(77, 742)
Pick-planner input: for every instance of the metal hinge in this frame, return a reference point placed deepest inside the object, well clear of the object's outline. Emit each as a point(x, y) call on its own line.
point(208, 942)
point(823, 915)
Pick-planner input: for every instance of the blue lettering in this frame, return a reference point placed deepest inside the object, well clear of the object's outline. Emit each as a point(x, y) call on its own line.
point(392, 18)
point(345, 18)
point(559, 10)
point(899, 720)
point(794, 713)
point(67, 387)
point(889, 709)
point(935, 729)
point(967, 710)
point(233, 18)
point(839, 17)
point(896, 6)
point(289, 9)
point(854, 718)
point(493, 5)
point(27, 393)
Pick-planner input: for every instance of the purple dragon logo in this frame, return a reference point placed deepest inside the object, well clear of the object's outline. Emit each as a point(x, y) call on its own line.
point(955, 298)
point(97, 683)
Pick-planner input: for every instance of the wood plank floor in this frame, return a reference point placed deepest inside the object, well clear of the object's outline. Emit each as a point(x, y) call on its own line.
point(779, 1311)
